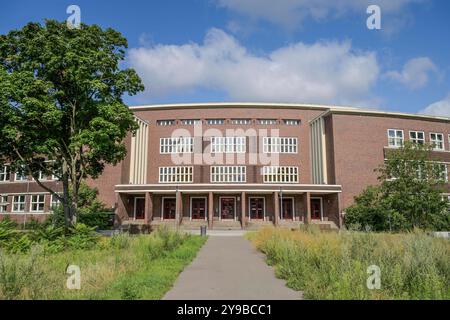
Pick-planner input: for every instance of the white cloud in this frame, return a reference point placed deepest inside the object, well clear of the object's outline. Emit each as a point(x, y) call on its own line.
point(323, 72)
point(415, 72)
point(439, 108)
point(290, 13)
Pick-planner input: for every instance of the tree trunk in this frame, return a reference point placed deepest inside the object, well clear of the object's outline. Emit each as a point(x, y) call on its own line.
point(66, 195)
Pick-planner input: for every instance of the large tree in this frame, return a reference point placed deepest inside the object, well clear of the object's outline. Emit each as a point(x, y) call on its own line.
point(61, 107)
point(409, 194)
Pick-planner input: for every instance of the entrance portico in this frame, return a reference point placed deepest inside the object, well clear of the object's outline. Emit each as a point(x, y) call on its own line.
point(216, 206)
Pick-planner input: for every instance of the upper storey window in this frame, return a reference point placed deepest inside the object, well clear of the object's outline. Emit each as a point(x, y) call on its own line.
point(228, 174)
point(190, 122)
point(395, 138)
point(277, 174)
point(175, 174)
point(215, 121)
point(437, 141)
point(291, 122)
point(3, 203)
point(21, 176)
point(279, 145)
point(228, 144)
point(417, 137)
point(165, 122)
point(176, 145)
point(241, 121)
point(4, 174)
point(267, 121)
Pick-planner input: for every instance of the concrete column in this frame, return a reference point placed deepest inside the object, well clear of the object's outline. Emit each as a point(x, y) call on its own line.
point(307, 198)
point(210, 210)
point(148, 208)
point(243, 219)
point(178, 208)
point(276, 205)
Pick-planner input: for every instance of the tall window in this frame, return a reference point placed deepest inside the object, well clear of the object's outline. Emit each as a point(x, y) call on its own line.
point(215, 121)
point(37, 203)
point(175, 174)
point(3, 203)
point(228, 174)
point(176, 145)
point(165, 122)
point(228, 144)
point(395, 138)
point(417, 137)
point(54, 203)
point(241, 121)
point(21, 177)
point(267, 121)
point(277, 174)
point(18, 204)
point(443, 171)
point(4, 174)
point(279, 145)
point(437, 141)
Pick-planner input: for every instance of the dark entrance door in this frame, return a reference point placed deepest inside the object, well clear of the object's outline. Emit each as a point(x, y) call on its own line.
point(139, 209)
point(256, 208)
point(198, 208)
point(286, 208)
point(316, 209)
point(227, 206)
point(169, 208)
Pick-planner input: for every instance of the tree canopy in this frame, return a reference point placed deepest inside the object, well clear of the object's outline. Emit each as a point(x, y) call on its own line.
point(61, 107)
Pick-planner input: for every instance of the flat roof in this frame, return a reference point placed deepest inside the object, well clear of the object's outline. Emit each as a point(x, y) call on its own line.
point(326, 108)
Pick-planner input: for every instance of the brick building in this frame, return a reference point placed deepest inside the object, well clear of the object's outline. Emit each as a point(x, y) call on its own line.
point(243, 164)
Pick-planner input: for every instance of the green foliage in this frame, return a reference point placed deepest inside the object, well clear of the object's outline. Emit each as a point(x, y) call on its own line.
point(334, 266)
point(82, 237)
point(61, 100)
point(408, 197)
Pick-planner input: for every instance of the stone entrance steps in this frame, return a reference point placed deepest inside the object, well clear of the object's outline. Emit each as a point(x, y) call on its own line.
point(257, 224)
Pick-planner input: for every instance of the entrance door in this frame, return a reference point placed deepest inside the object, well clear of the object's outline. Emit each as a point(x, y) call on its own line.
point(287, 208)
point(227, 208)
point(257, 208)
point(316, 209)
point(198, 208)
point(169, 208)
point(139, 208)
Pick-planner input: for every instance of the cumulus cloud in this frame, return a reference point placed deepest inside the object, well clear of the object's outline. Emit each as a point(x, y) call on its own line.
point(323, 72)
point(439, 108)
point(290, 13)
point(415, 72)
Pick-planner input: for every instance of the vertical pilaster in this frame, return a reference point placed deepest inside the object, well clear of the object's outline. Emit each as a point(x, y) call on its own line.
point(243, 219)
point(308, 207)
point(210, 210)
point(148, 208)
point(276, 205)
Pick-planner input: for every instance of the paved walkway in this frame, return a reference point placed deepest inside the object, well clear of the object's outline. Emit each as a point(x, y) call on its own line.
point(229, 268)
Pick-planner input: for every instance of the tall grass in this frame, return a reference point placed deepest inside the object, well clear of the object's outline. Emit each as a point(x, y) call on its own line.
point(121, 267)
point(334, 266)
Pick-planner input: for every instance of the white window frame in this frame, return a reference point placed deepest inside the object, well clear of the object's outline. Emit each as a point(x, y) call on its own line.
point(435, 142)
point(21, 204)
point(267, 121)
point(35, 199)
point(228, 174)
point(228, 144)
point(280, 145)
point(291, 122)
point(176, 145)
point(445, 171)
point(190, 122)
point(165, 122)
point(280, 174)
point(416, 139)
point(178, 174)
point(5, 175)
point(215, 121)
point(3, 204)
point(54, 201)
point(242, 121)
point(395, 138)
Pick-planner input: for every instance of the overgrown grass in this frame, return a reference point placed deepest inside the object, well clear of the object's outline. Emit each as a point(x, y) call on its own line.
point(121, 267)
point(334, 266)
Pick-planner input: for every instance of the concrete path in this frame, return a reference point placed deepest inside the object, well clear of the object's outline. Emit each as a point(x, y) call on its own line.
point(229, 268)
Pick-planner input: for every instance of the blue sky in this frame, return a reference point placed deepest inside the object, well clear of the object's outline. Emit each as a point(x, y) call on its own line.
point(305, 51)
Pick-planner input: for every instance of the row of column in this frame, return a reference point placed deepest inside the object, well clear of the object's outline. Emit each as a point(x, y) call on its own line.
point(306, 198)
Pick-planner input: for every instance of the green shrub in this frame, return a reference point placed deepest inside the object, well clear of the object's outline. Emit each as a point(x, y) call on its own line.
point(101, 220)
point(82, 237)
